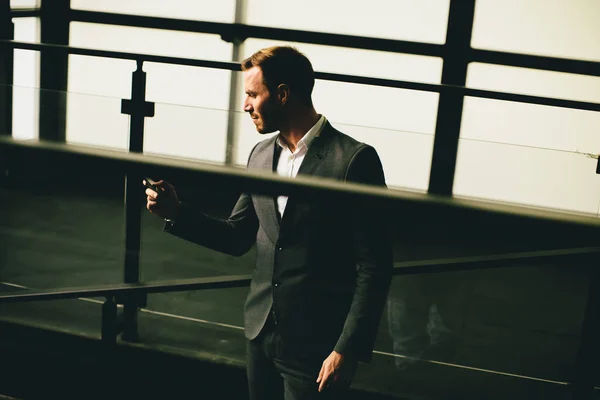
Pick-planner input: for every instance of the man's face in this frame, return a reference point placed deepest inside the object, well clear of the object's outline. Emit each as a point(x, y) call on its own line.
point(259, 103)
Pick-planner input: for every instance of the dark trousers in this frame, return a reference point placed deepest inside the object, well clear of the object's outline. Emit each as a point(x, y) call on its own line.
point(278, 371)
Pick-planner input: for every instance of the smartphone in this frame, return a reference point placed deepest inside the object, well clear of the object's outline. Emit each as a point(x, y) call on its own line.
point(151, 184)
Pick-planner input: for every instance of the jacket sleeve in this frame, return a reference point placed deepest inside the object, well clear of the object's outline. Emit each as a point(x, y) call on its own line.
point(373, 252)
point(234, 235)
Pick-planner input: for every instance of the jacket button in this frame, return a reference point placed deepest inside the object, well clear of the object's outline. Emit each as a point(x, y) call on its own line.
point(276, 284)
point(280, 248)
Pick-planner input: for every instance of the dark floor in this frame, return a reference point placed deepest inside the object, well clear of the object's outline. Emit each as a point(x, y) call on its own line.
point(521, 321)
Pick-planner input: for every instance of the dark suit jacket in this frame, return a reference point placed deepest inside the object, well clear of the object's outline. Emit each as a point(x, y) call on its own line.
point(325, 268)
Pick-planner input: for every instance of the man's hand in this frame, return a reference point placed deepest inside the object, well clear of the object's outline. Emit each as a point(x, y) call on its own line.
point(165, 204)
point(336, 370)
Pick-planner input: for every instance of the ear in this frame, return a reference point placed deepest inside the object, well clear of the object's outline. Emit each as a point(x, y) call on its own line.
point(283, 94)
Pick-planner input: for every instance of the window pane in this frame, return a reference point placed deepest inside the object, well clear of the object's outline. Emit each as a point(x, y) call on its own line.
point(149, 41)
point(531, 125)
point(190, 117)
point(567, 29)
point(376, 64)
point(188, 132)
point(378, 107)
point(532, 176)
point(422, 21)
point(186, 86)
point(528, 153)
point(24, 4)
point(406, 156)
point(202, 10)
point(96, 120)
point(26, 80)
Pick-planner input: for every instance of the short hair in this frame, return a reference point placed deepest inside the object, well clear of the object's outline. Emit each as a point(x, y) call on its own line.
point(284, 64)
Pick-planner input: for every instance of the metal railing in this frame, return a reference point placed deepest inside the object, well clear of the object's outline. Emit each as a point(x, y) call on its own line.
point(15, 152)
point(456, 53)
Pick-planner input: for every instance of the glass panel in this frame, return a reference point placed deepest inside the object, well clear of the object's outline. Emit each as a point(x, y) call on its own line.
point(202, 10)
point(96, 120)
point(59, 230)
point(377, 64)
point(187, 132)
point(566, 29)
point(55, 218)
point(378, 107)
point(165, 83)
point(190, 86)
point(149, 41)
point(100, 76)
point(513, 329)
point(531, 176)
point(400, 151)
point(538, 156)
point(534, 82)
point(531, 125)
point(26, 79)
point(423, 21)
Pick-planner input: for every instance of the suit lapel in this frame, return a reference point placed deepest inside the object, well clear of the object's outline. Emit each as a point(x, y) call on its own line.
point(272, 227)
point(265, 204)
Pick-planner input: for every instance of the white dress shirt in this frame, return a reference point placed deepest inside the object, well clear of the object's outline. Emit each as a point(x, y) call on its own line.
point(289, 163)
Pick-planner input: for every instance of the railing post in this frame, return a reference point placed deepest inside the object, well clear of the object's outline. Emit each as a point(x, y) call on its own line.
point(234, 89)
point(55, 28)
point(138, 108)
point(447, 129)
point(109, 327)
point(7, 32)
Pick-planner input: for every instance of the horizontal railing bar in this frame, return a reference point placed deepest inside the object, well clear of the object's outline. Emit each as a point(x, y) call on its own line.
point(489, 261)
point(430, 87)
point(273, 184)
point(556, 64)
point(25, 12)
point(489, 94)
point(216, 282)
point(123, 55)
point(223, 282)
point(529, 99)
point(241, 31)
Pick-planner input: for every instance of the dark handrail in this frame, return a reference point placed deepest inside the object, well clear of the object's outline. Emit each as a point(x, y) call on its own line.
point(233, 281)
point(25, 12)
point(428, 87)
point(138, 288)
point(268, 183)
point(488, 261)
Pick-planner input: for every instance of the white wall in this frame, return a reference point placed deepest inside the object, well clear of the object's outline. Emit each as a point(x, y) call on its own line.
point(508, 151)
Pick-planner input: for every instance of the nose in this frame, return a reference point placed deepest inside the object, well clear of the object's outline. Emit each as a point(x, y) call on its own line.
point(247, 105)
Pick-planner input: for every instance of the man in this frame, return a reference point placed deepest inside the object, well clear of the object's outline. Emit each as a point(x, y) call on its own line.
point(323, 266)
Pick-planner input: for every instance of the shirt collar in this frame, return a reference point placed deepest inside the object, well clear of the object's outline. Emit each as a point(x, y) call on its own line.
point(308, 136)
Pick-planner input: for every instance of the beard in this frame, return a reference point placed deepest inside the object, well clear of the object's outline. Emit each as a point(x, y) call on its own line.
point(268, 120)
